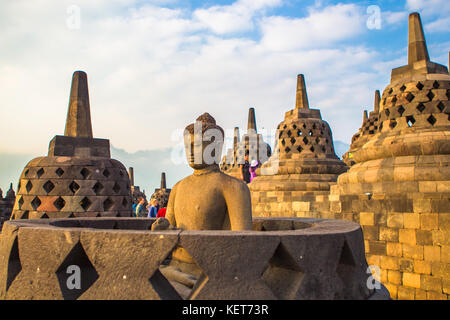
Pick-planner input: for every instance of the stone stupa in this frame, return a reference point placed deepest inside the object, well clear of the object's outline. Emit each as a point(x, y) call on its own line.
point(369, 128)
point(162, 193)
point(399, 187)
point(78, 177)
point(297, 177)
point(251, 143)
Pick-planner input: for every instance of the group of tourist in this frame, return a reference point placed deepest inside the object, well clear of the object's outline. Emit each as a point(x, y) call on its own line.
point(152, 210)
point(248, 169)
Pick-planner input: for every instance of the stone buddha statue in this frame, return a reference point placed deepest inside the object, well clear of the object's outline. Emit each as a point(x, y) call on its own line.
point(208, 199)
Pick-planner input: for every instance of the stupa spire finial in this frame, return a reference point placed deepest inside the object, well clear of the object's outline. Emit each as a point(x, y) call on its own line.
point(251, 120)
point(376, 103)
point(78, 122)
point(417, 47)
point(302, 97)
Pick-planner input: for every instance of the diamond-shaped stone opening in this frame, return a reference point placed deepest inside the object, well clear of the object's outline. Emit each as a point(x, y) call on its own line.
point(431, 120)
point(107, 204)
point(402, 88)
point(116, 187)
point(59, 203)
point(174, 280)
point(283, 275)
point(121, 173)
point(317, 140)
point(387, 112)
point(352, 285)
point(448, 94)
point(40, 172)
point(314, 126)
point(289, 133)
point(409, 97)
point(124, 202)
point(106, 173)
point(435, 84)
point(294, 126)
point(29, 186)
point(85, 173)
point(299, 149)
point(287, 149)
point(20, 202)
point(98, 187)
point(393, 124)
point(410, 121)
point(400, 110)
point(280, 135)
point(85, 203)
point(14, 265)
point(285, 126)
point(74, 187)
point(390, 91)
point(310, 133)
point(394, 100)
point(304, 126)
point(48, 186)
point(293, 140)
point(323, 149)
point(35, 203)
point(430, 95)
point(59, 172)
point(27, 172)
point(305, 140)
point(283, 142)
point(420, 107)
point(312, 149)
point(419, 85)
point(76, 274)
point(299, 133)
point(440, 106)
point(19, 186)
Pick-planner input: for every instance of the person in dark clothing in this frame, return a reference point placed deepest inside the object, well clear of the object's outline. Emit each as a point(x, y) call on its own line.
point(245, 169)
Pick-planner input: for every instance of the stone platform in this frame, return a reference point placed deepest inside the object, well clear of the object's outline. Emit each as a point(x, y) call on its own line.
point(120, 258)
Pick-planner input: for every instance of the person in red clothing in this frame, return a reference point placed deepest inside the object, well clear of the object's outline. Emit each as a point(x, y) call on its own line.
point(161, 213)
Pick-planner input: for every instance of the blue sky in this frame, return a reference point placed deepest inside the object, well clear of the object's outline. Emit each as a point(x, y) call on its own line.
point(154, 66)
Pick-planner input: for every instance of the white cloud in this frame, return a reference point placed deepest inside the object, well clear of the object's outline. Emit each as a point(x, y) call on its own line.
point(428, 7)
point(237, 17)
point(321, 28)
point(152, 70)
point(439, 25)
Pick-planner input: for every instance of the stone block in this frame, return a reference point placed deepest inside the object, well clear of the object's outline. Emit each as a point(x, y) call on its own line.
point(421, 294)
point(413, 251)
point(406, 293)
point(395, 220)
point(406, 265)
point(422, 267)
point(394, 249)
point(377, 247)
point(407, 236)
point(436, 296)
point(445, 254)
point(390, 234)
point(390, 263)
point(411, 280)
point(440, 269)
point(432, 253)
point(411, 220)
point(394, 277)
point(366, 218)
point(441, 237)
point(429, 221)
point(431, 283)
point(424, 237)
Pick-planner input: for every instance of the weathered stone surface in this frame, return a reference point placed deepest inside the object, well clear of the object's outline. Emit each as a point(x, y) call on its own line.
point(119, 258)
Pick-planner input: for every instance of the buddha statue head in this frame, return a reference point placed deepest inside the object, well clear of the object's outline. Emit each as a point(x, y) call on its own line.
point(203, 141)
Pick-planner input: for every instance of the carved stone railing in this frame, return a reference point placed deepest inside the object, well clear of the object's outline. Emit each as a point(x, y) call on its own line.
point(120, 258)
